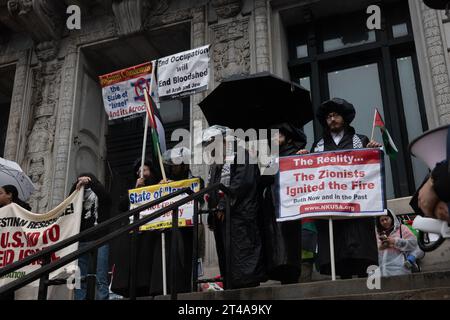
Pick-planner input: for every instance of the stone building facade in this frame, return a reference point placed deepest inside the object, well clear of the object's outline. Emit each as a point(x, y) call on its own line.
point(48, 73)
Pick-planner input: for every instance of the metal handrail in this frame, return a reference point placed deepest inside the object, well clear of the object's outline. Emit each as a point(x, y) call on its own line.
point(45, 270)
point(91, 231)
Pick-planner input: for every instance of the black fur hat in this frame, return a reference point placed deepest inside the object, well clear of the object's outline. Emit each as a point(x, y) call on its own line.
point(340, 106)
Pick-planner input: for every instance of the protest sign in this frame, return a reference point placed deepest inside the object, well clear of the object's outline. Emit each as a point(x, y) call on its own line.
point(347, 183)
point(183, 73)
point(144, 195)
point(23, 233)
point(123, 90)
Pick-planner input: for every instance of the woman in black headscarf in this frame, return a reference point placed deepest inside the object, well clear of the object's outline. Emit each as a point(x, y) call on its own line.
point(282, 240)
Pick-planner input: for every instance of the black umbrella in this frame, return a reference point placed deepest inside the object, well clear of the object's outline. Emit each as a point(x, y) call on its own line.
point(257, 101)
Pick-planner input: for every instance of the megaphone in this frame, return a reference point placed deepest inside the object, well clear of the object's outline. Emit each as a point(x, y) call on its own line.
point(431, 148)
point(429, 225)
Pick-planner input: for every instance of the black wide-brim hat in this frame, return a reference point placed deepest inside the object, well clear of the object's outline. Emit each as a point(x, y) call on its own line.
point(338, 105)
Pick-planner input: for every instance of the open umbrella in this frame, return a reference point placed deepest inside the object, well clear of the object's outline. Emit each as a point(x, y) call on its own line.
point(11, 173)
point(257, 101)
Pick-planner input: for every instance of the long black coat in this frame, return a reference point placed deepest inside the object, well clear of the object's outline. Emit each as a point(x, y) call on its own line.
point(149, 279)
point(282, 240)
point(355, 245)
point(247, 267)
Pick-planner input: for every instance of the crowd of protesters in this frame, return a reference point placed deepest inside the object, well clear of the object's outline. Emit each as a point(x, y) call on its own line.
point(261, 248)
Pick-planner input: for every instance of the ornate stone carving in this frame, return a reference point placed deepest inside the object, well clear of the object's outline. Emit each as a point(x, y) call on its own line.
point(156, 8)
point(129, 15)
point(438, 65)
point(227, 8)
point(47, 51)
point(38, 173)
point(41, 136)
point(42, 19)
point(261, 36)
point(231, 49)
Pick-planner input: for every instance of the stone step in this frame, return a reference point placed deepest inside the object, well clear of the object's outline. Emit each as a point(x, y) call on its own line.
point(434, 285)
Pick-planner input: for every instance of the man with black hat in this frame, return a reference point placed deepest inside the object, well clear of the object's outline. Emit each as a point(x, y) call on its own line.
point(355, 239)
point(282, 240)
point(247, 265)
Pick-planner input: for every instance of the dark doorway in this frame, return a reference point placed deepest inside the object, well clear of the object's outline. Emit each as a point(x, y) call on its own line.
point(124, 138)
point(6, 88)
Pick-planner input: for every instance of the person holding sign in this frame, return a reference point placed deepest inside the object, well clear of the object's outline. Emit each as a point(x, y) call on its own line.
point(176, 163)
point(146, 242)
point(354, 240)
point(282, 240)
point(96, 209)
point(247, 267)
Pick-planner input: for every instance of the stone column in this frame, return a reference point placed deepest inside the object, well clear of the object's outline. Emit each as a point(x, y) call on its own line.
point(19, 95)
point(46, 78)
point(64, 124)
point(262, 36)
point(433, 60)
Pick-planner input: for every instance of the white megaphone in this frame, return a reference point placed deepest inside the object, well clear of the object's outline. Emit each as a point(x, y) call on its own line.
point(431, 148)
point(430, 225)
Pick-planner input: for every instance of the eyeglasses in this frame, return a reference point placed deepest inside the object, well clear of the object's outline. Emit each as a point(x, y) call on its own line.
point(333, 115)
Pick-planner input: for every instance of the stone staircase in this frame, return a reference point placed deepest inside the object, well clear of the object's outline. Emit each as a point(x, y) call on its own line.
point(418, 286)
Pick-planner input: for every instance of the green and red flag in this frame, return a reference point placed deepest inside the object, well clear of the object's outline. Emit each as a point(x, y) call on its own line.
point(156, 127)
point(389, 145)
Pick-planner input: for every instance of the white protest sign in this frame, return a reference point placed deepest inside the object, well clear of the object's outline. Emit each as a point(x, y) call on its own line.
point(123, 90)
point(23, 233)
point(144, 195)
point(183, 73)
point(346, 183)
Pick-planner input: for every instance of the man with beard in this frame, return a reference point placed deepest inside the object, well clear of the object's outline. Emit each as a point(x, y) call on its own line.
point(355, 243)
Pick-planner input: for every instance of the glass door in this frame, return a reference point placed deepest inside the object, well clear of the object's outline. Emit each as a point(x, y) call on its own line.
point(361, 86)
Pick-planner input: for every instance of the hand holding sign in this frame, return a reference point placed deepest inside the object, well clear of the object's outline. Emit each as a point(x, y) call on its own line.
point(83, 181)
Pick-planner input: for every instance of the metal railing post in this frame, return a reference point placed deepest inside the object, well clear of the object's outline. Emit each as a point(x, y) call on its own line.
point(91, 276)
point(43, 282)
point(173, 255)
point(195, 248)
point(227, 276)
point(48, 266)
point(133, 260)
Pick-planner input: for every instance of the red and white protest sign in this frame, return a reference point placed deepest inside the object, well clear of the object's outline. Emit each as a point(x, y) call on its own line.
point(123, 90)
point(23, 233)
point(347, 183)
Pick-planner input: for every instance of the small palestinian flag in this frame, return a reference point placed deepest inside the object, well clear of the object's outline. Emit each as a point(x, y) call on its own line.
point(389, 145)
point(156, 128)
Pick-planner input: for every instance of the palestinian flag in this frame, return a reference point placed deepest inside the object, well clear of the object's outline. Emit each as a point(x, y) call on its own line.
point(156, 129)
point(389, 145)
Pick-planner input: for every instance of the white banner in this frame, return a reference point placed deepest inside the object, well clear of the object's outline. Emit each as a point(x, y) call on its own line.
point(23, 233)
point(140, 196)
point(183, 73)
point(123, 90)
point(347, 183)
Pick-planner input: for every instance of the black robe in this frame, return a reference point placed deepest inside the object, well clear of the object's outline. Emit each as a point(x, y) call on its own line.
point(149, 281)
point(247, 267)
point(355, 245)
point(282, 240)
